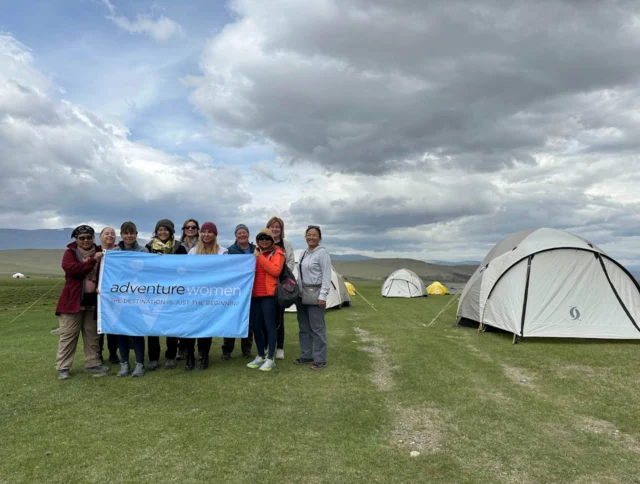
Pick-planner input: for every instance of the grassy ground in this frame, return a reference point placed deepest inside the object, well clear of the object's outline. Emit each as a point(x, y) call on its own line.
point(477, 408)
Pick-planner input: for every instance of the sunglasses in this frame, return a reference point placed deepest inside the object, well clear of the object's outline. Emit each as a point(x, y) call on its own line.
point(85, 237)
point(317, 227)
point(264, 237)
point(190, 227)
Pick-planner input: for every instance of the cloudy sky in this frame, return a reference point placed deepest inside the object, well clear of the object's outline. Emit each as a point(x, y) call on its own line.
point(424, 129)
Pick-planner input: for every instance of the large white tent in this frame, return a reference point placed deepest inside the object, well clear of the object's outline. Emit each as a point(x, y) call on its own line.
point(403, 283)
point(338, 294)
point(550, 283)
point(18, 275)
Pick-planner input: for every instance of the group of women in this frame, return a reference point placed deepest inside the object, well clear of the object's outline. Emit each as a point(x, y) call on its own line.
point(272, 252)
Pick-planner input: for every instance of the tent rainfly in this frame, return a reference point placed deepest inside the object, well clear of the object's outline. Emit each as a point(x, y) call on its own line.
point(551, 283)
point(403, 283)
point(437, 289)
point(338, 294)
point(18, 275)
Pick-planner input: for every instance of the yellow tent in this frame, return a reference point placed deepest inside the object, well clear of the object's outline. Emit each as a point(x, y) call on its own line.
point(350, 288)
point(437, 289)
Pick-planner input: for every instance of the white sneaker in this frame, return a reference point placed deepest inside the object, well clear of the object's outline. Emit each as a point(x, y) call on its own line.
point(268, 365)
point(279, 354)
point(257, 363)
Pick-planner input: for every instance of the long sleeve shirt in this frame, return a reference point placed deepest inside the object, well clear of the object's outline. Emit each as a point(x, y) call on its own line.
point(315, 270)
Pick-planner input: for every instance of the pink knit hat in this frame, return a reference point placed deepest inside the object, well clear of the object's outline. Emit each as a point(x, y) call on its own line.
point(209, 226)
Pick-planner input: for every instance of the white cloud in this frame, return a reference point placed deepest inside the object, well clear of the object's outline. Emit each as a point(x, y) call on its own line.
point(160, 28)
point(62, 164)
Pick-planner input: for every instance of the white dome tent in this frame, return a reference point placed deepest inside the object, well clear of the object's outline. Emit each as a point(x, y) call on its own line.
point(18, 275)
point(550, 283)
point(403, 283)
point(338, 293)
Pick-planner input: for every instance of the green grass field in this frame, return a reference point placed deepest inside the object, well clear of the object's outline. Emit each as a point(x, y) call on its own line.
point(477, 408)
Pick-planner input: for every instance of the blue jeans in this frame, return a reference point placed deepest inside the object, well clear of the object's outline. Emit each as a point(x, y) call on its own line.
point(138, 348)
point(263, 320)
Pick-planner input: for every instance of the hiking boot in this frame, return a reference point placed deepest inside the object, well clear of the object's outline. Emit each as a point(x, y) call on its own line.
point(139, 370)
point(225, 356)
point(170, 364)
point(64, 374)
point(124, 369)
point(247, 355)
point(152, 365)
point(96, 369)
point(113, 359)
point(317, 366)
point(302, 361)
point(204, 363)
point(268, 365)
point(257, 363)
point(280, 354)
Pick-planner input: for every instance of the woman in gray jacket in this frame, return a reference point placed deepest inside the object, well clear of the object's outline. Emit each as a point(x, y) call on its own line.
point(276, 225)
point(315, 277)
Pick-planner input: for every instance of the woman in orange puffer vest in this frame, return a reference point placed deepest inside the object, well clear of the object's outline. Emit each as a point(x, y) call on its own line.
point(269, 263)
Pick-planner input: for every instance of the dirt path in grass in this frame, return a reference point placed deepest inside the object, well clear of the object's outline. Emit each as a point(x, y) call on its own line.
point(416, 430)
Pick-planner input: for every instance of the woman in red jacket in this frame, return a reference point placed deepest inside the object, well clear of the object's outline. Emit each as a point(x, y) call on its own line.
point(77, 304)
point(269, 263)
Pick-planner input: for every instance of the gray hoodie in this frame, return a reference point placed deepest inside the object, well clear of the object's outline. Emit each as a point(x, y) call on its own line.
point(315, 270)
point(136, 247)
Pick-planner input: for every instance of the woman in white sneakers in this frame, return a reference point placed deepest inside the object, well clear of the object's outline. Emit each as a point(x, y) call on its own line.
point(269, 263)
point(276, 225)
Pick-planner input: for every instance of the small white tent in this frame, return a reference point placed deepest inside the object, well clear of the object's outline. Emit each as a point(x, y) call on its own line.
point(338, 293)
point(550, 283)
point(18, 275)
point(403, 283)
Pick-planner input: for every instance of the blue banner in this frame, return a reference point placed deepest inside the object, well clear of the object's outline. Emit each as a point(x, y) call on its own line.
point(189, 296)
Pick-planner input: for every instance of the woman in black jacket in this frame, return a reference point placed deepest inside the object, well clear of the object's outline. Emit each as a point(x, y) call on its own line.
point(164, 242)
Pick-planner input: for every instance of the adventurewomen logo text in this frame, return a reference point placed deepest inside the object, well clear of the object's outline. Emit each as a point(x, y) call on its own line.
point(160, 289)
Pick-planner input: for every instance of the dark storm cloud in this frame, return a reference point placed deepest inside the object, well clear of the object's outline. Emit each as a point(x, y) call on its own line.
point(371, 87)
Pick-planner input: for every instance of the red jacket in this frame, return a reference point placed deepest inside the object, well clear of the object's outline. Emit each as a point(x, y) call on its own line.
point(74, 272)
point(268, 269)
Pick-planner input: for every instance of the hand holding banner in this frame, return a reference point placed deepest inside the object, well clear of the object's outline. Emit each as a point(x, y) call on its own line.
point(185, 296)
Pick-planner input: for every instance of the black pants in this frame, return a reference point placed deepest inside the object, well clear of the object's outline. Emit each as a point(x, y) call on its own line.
point(153, 346)
point(204, 345)
point(245, 344)
point(112, 344)
point(125, 343)
point(279, 327)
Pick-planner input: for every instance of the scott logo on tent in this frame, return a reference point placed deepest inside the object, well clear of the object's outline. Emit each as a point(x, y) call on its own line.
point(574, 312)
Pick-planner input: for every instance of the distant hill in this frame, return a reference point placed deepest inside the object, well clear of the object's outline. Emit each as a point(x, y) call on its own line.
point(380, 268)
point(35, 239)
point(450, 263)
point(30, 262)
point(348, 257)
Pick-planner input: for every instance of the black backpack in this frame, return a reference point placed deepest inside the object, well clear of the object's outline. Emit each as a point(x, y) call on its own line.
point(288, 290)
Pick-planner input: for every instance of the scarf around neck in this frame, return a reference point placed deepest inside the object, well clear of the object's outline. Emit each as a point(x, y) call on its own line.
point(91, 277)
point(164, 247)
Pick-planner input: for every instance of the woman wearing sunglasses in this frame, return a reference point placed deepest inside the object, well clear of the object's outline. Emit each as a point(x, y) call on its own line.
point(190, 234)
point(207, 245)
point(269, 263)
point(163, 242)
point(315, 281)
point(77, 304)
point(276, 225)
point(189, 239)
